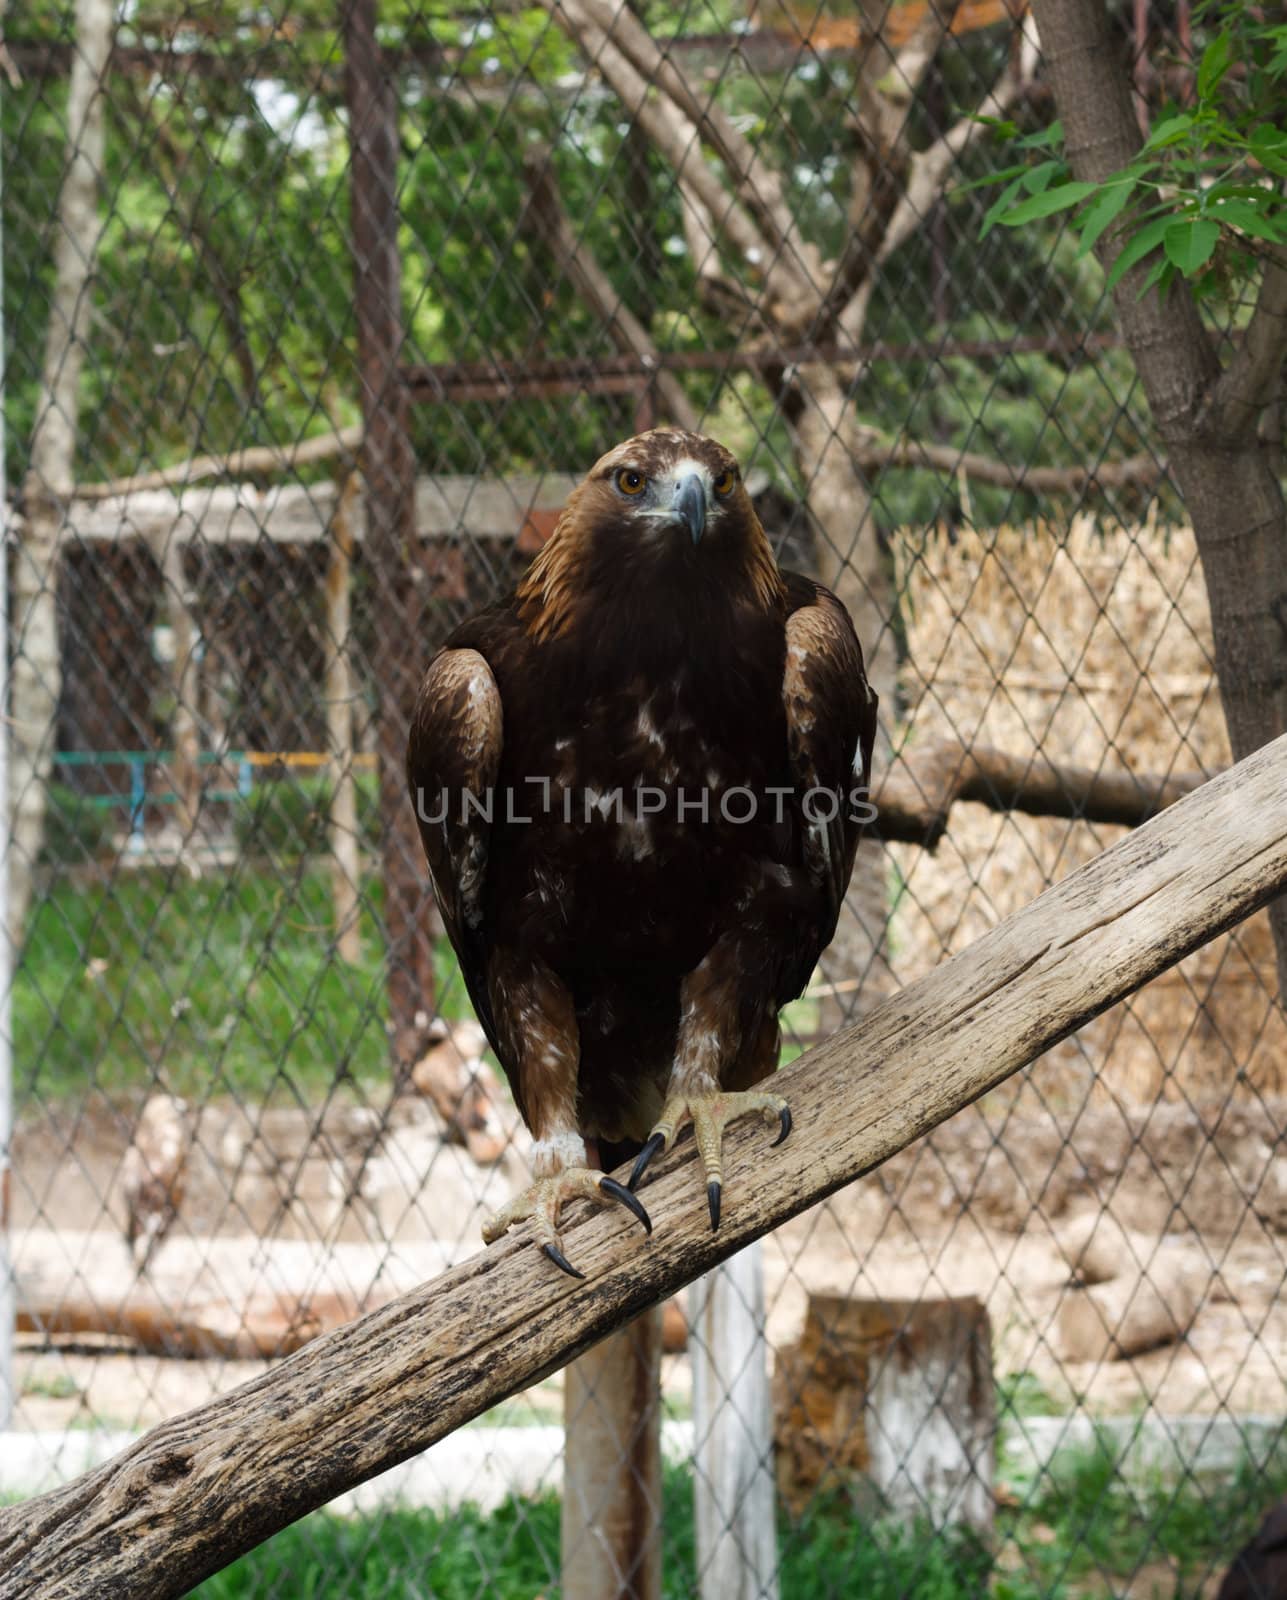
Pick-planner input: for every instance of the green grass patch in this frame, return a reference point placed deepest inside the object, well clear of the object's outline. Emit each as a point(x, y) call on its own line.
point(513, 1554)
point(224, 984)
point(1086, 1532)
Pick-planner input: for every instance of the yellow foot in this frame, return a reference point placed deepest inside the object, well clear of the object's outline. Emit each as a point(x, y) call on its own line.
point(543, 1202)
point(710, 1113)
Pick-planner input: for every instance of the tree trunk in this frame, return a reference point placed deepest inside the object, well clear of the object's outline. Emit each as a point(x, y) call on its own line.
point(36, 678)
point(850, 562)
point(389, 470)
point(1206, 417)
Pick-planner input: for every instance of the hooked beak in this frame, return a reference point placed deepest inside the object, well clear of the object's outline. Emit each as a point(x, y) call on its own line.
point(689, 504)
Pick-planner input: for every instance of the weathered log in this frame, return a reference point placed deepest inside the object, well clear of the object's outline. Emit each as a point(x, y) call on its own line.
point(200, 1489)
point(926, 781)
point(269, 1326)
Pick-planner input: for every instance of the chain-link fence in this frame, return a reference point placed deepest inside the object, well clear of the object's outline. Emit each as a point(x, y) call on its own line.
point(312, 319)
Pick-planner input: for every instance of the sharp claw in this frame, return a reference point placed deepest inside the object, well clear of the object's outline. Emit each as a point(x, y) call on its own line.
point(561, 1261)
point(712, 1200)
point(618, 1191)
point(785, 1115)
point(655, 1143)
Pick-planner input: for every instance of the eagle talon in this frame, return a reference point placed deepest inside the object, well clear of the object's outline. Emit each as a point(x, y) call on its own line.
point(618, 1191)
point(561, 1261)
point(542, 1205)
point(710, 1111)
point(655, 1143)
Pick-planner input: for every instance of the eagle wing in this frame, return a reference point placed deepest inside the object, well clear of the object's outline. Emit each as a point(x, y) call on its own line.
point(454, 751)
point(831, 729)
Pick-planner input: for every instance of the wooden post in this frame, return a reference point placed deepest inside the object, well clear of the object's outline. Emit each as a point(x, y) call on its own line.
point(389, 470)
point(734, 1490)
point(611, 1535)
point(184, 727)
point(345, 854)
point(171, 1508)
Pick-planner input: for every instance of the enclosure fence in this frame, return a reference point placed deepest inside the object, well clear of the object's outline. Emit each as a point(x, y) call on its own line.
point(313, 319)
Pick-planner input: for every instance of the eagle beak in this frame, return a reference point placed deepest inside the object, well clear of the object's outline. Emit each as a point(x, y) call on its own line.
point(689, 504)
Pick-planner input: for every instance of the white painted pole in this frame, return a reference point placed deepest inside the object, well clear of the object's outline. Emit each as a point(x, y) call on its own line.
point(8, 1305)
point(733, 1483)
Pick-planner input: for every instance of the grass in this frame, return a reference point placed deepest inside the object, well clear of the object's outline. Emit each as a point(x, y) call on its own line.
point(1085, 1533)
point(227, 983)
point(512, 1554)
point(224, 984)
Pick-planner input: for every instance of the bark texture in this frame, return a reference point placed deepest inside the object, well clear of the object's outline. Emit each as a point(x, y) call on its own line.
point(174, 1507)
point(1206, 415)
point(399, 654)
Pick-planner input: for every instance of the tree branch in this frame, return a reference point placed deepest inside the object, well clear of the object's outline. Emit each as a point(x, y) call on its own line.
point(1247, 385)
point(173, 1507)
point(927, 780)
point(872, 453)
point(926, 179)
point(266, 459)
point(755, 183)
point(676, 138)
point(574, 258)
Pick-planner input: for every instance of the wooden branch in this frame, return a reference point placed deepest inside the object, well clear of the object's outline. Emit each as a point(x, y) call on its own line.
point(200, 1489)
point(573, 256)
point(258, 460)
point(1247, 383)
point(752, 180)
point(201, 1330)
point(677, 140)
point(928, 779)
point(873, 453)
point(927, 177)
point(455, 504)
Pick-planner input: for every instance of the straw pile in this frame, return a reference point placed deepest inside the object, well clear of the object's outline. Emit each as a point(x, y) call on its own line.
point(1094, 647)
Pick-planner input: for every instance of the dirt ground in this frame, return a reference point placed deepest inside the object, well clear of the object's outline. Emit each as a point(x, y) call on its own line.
point(353, 1206)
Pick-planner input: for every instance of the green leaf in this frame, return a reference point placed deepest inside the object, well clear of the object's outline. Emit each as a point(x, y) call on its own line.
point(1047, 204)
point(1044, 138)
point(1216, 60)
point(1169, 132)
point(1107, 207)
point(1252, 219)
point(1160, 276)
point(998, 207)
point(1005, 174)
point(1269, 147)
point(1039, 177)
point(1136, 249)
point(1190, 242)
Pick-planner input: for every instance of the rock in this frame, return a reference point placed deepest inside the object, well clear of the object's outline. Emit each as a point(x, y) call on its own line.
point(1134, 1312)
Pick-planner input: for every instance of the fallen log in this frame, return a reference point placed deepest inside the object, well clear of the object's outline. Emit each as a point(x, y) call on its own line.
point(200, 1489)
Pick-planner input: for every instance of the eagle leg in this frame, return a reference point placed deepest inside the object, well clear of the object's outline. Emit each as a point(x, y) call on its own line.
point(542, 1204)
point(710, 1111)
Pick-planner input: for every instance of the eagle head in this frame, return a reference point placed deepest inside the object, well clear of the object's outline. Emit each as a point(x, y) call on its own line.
point(666, 505)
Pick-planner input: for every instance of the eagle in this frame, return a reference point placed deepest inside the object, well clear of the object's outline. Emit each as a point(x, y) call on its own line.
point(638, 781)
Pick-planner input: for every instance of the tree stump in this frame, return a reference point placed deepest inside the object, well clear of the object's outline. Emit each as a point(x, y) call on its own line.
point(892, 1403)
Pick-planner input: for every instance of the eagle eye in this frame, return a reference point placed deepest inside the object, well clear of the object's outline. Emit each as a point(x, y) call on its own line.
point(724, 483)
point(631, 482)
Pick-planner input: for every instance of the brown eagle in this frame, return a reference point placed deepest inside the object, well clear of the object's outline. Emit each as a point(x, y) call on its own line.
point(638, 786)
